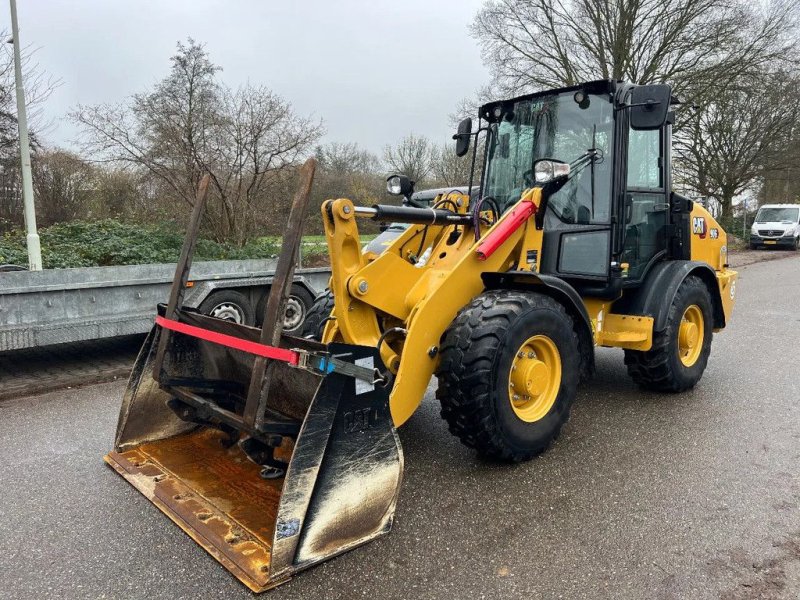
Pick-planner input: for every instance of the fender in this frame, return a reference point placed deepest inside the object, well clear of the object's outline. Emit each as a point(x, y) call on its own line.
point(559, 290)
point(654, 296)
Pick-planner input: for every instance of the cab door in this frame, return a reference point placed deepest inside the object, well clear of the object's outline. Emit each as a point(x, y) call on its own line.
point(646, 205)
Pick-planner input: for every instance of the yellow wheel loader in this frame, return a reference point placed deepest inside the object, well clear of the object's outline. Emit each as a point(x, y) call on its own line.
point(275, 453)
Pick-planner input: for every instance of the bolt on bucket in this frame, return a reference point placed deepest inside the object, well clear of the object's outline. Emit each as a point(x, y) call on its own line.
point(225, 487)
point(273, 453)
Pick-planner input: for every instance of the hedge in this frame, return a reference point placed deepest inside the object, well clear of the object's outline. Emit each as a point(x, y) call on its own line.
point(111, 242)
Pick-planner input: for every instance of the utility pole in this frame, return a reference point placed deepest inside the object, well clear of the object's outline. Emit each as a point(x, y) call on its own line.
point(34, 248)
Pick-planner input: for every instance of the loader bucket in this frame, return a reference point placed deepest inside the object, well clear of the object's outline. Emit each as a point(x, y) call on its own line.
point(180, 441)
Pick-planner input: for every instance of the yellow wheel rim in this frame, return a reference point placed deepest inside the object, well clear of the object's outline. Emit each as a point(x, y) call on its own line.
point(535, 378)
point(690, 335)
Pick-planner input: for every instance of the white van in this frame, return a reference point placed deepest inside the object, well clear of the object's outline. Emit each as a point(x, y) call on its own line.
point(776, 225)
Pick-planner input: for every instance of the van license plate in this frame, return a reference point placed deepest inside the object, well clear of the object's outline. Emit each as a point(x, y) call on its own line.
point(770, 242)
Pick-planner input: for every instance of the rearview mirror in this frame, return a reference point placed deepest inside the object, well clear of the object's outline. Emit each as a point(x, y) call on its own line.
point(462, 137)
point(649, 106)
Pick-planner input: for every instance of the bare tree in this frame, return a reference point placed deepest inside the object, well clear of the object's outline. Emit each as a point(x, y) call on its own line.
point(728, 146)
point(345, 158)
point(411, 157)
point(696, 45)
point(191, 124)
point(63, 185)
point(449, 170)
point(38, 87)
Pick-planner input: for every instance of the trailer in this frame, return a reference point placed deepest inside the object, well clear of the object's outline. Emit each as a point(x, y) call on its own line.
point(41, 308)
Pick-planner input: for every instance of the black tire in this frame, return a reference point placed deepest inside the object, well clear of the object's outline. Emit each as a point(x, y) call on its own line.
point(660, 368)
point(477, 352)
point(299, 303)
point(317, 316)
point(753, 246)
point(796, 244)
point(229, 305)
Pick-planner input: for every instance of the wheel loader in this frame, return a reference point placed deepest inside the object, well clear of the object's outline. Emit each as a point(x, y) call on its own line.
point(275, 453)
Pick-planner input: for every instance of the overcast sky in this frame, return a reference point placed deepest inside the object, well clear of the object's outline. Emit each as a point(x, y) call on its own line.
point(373, 71)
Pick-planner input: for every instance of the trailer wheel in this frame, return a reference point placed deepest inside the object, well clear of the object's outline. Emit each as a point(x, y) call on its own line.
point(297, 306)
point(229, 305)
point(317, 316)
point(680, 352)
point(508, 374)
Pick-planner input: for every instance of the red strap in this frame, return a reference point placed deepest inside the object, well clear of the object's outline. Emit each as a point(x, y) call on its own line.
point(230, 341)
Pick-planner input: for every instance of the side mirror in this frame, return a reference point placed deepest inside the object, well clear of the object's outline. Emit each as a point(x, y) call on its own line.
point(546, 170)
point(399, 185)
point(649, 106)
point(463, 136)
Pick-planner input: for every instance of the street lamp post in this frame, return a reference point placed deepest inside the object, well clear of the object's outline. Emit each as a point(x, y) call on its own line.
point(34, 248)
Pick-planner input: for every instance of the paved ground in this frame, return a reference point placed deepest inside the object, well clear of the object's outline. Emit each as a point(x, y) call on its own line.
point(644, 496)
point(741, 258)
point(37, 370)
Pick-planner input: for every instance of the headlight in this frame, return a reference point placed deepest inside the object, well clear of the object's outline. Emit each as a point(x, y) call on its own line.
point(788, 233)
point(399, 185)
point(393, 185)
point(545, 171)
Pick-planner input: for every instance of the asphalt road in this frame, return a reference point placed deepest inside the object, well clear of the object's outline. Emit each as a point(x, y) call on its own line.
point(643, 496)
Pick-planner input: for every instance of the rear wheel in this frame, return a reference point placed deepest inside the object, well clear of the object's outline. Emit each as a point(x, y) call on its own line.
point(680, 352)
point(318, 316)
point(508, 373)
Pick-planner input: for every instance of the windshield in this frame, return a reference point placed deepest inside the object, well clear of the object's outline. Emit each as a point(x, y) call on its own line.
point(770, 215)
point(553, 127)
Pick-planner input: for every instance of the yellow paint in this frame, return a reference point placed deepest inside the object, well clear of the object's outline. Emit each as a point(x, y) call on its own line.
point(424, 299)
point(713, 250)
point(727, 288)
point(535, 378)
point(690, 335)
point(632, 332)
point(711, 245)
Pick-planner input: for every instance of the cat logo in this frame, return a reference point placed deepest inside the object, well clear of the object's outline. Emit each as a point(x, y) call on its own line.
point(699, 226)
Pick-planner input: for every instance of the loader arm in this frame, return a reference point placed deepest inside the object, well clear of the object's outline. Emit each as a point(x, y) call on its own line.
point(423, 298)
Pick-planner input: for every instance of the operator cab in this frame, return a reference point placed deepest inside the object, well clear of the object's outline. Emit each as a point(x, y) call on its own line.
point(609, 222)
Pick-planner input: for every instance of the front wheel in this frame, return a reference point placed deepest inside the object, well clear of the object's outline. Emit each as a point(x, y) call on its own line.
point(318, 316)
point(508, 373)
point(680, 352)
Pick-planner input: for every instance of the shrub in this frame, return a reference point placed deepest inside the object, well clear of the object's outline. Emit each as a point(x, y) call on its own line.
point(110, 242)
